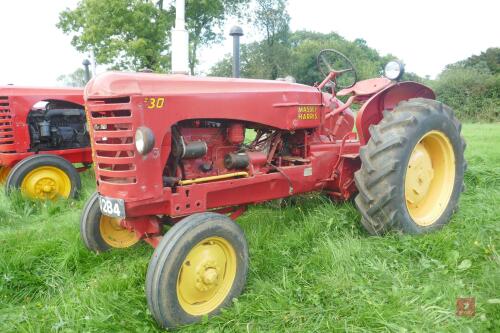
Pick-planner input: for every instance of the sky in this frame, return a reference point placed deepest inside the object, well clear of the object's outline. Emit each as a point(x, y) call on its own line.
point(425, 34)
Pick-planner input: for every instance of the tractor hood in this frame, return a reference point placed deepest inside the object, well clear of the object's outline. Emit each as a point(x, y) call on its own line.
point(273, 103)
point(115, 84)
point(53, 92)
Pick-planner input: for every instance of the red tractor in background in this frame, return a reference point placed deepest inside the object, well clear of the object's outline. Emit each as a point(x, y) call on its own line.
point(195, 152)
point(43, 132)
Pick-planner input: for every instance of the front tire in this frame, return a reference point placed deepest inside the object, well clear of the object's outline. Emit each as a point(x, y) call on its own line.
point(100, 232)
point(45, 177)
point(412, 169)
point(199, 266)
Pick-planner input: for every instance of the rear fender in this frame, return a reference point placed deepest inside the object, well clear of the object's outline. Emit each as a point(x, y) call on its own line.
point(371, 111)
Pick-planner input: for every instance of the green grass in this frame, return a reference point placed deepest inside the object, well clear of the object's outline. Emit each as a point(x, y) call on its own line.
point(313, 269)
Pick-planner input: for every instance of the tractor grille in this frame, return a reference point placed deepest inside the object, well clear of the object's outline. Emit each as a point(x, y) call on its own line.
point(6, 127)
point(112, 140)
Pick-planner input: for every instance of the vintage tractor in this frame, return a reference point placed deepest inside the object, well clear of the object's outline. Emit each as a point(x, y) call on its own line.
point(43, 132)
point(195, 152)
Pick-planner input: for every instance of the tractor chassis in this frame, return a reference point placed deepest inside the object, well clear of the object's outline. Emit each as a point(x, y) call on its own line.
point(232, 196)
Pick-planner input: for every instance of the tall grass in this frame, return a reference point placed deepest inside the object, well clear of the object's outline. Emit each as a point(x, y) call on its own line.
point(313, 268)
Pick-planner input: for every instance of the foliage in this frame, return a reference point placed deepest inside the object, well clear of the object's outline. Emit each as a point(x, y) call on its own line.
point(126, 34)
point(204, 20)
point(313, 268)
point(487, 61)
point(306, 46)
point(472, 86)
point(75, 79)
point(269, 58)
point(272, 19)
point(298, 58)
point(135, 34)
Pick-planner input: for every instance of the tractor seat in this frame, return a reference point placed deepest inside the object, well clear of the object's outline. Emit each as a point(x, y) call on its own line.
point(366, 87)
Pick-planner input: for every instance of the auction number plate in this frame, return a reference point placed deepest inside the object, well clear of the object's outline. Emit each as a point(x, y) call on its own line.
point(112, 207)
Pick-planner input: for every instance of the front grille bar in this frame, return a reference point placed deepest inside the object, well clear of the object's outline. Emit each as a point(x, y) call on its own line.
point(113, 140)
point(7, 140)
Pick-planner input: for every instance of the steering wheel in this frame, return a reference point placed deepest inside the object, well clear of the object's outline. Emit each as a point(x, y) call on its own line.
point(328, 60)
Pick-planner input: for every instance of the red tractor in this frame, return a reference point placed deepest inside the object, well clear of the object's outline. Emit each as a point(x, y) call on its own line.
point(195, 152)
point(43, 132)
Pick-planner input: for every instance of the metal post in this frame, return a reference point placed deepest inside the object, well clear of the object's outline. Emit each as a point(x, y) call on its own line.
point(180, 40)
point(86, 64)
point(236, 32)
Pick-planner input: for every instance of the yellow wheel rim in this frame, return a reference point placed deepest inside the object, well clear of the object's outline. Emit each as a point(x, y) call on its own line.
point(430, 178)
point(4, 173)
point(46, 182)
point(114, 234)
point(206, 276)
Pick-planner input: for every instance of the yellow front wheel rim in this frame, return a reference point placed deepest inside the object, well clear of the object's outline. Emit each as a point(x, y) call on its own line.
point(4, 173)
point(206, 276)
point(430, 178)
point(114, 234)
point(46, 182)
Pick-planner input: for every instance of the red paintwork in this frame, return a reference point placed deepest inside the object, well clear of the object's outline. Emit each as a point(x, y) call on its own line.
point(366, 87)
point(387, 99)
point(325, 149)
point(236, 133)
point(15, 105)
point(145, 227)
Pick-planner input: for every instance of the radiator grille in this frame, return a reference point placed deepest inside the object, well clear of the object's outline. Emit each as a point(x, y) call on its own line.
point(6, 127)
point(113, 140)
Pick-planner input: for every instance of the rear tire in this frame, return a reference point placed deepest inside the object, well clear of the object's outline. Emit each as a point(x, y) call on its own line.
point(45, 177)
point(101, 233)
point(424, 134)
point(199, 266)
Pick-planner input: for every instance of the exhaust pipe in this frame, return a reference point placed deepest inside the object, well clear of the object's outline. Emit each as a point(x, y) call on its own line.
point(86, 64)
point(236, 32)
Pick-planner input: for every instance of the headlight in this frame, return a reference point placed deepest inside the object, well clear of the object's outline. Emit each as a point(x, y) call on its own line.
point(144, 140)
point(394, 70)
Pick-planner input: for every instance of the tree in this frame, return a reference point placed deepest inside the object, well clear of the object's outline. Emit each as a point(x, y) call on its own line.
point(472, 86)
point(223, 68)
point(487, 62)
point(126, 34)
point(204, 21)
point(298, 57)
point(269, 58)
point(272, 19)
point(75, 79)
point(135, 34)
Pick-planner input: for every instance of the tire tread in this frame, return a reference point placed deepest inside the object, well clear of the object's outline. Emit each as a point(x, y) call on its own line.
point(376, 179)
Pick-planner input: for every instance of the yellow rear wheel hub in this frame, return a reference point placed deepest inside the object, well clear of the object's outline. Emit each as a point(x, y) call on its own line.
point(206, 276)
point(4, 173)
point(114, 234)
point(430, 178)
point(46, 182)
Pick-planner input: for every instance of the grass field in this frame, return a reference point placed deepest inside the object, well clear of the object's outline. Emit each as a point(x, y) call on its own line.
point(313, 269)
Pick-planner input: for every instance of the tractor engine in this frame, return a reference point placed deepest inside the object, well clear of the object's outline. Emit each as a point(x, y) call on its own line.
point(58, 126)
point(207, 148)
